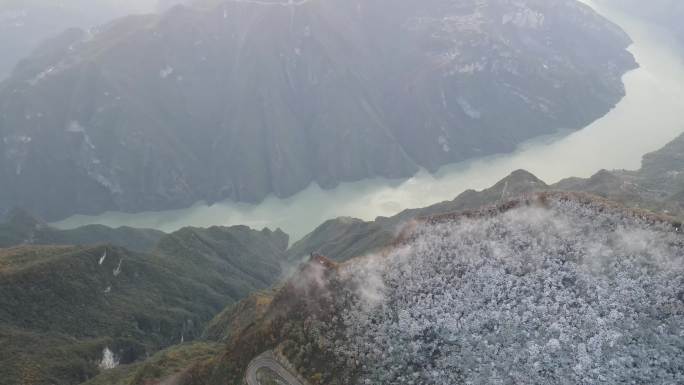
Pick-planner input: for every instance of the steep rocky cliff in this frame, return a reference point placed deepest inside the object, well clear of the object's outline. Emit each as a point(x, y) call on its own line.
point(241, 99)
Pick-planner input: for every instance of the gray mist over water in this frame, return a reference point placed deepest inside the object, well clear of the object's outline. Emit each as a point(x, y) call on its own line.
point(651, 115)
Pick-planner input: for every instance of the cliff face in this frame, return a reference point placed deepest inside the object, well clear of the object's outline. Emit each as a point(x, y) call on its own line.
point(241, 99)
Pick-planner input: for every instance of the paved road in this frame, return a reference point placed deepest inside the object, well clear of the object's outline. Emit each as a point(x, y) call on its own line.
point(268, 361)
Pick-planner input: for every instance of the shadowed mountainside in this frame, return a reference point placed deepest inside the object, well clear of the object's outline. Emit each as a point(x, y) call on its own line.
point(242, 99)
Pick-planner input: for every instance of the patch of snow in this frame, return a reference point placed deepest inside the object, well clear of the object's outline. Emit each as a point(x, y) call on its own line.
point(75, 127)
point(40, 76)
point(117, 271)
point(444, 142)
point(467, 68)
point(469, 110)
point(524, 18)
point(104, 256)
point(166, 72)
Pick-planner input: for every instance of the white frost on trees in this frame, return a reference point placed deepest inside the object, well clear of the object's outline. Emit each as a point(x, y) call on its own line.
point(109, 360)
point(117, 271)
point(570, 294)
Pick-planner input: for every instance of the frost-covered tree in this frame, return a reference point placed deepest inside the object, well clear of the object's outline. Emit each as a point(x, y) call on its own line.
point(568, 293)
point(109, 360)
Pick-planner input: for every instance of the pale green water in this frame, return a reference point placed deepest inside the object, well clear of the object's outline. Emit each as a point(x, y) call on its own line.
point(651, 115)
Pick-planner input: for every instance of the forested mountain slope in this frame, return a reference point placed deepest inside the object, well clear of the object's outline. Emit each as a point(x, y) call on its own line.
point(62, 306)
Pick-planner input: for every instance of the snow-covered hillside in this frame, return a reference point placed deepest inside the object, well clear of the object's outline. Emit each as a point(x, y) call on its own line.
point(564, 292)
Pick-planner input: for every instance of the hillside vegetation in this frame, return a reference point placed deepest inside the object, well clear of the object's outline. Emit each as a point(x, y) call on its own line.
point(554, 288)
point(64, 309)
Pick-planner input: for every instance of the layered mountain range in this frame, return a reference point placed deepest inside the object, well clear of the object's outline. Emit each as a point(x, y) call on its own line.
point(68, 312)
point(100, 312)
point(242, 99)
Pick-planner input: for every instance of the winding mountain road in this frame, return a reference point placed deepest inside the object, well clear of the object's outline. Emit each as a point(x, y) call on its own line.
point(267, 360)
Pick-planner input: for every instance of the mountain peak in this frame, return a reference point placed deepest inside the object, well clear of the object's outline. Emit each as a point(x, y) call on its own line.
point(520, 179)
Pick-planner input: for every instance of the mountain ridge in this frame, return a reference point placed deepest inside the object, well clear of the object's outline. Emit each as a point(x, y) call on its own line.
point(344, 306)
point(657, 186)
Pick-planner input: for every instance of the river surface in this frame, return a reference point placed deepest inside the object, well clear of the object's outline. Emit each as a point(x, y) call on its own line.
point(651, 115)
